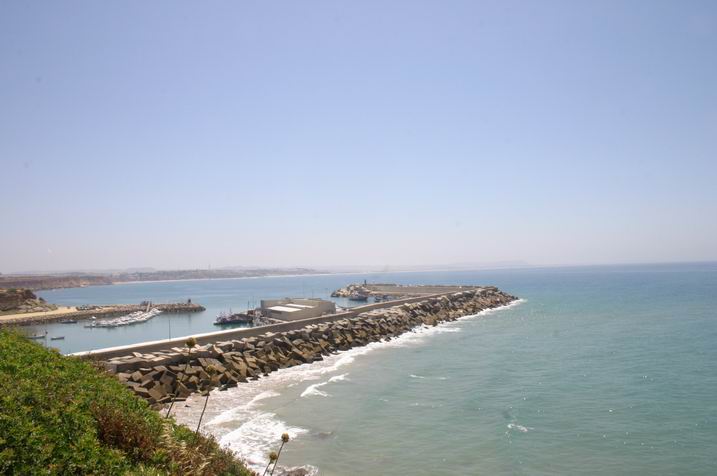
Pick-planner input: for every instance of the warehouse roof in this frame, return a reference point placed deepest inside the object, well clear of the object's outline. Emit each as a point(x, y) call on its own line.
point(284, 309)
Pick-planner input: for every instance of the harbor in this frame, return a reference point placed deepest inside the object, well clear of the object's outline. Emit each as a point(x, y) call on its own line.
point(162, 371)
point(210, 299)
point(468, 376)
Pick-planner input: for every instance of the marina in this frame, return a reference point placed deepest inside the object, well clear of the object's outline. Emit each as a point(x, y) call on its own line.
point(136, 317)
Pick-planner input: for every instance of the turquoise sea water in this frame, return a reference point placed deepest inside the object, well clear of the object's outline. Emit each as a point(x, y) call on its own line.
point(599, 370)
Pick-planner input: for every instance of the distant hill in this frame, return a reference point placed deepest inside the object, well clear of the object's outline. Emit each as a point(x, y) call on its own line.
point(39, 281)
point(75, 280)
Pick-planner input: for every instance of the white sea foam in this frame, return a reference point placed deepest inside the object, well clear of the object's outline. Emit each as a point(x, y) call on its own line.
point(250, 440)
point(233, 414)
point(238, 418)
point(520, 428)
point(421, 377)
point(313, 390)
point(338, 378)
point(310, 470)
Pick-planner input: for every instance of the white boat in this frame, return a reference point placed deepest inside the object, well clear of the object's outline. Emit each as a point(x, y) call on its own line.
point(132, 318)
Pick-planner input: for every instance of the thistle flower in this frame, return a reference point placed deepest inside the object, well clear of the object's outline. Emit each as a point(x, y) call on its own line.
point(273, 456)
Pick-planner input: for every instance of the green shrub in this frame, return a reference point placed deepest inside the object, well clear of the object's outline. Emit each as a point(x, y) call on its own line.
point(60, 415)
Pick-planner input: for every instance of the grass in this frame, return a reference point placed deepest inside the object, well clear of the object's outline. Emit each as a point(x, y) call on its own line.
point(60, 415)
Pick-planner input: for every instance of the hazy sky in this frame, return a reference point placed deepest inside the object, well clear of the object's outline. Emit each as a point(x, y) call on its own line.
point(184, 134)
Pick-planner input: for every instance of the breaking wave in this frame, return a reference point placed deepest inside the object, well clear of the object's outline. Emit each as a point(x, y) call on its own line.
point(238, 417)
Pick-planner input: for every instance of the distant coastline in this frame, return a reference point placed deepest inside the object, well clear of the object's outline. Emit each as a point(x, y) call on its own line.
point(50, 281)
point(78, 280)
point(235, 277)
point(44, 282)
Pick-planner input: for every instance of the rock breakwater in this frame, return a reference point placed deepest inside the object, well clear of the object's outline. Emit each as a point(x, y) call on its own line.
point(176, 373)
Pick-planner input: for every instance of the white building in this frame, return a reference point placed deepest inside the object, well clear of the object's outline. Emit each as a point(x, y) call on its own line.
point(289, 309)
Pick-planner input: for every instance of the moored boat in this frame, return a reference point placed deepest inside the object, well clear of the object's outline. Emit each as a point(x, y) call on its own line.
point(357, 296)
point(235, 318)
point(132, 318)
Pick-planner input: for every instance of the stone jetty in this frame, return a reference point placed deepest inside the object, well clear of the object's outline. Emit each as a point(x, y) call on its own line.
point(176, 373)
point(394, 291)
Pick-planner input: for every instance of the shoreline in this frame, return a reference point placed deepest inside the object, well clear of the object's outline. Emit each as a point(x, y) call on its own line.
point(338, 273)
point(240, 403)
point(162, 371)
point(164, 376)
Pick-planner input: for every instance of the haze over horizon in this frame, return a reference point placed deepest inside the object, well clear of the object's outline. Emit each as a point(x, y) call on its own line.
point(360, 269)
point(174, 135)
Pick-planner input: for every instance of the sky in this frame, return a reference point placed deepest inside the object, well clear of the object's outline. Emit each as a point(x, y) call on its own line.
point(175, 134)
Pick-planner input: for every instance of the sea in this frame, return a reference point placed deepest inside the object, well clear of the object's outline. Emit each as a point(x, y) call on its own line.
point(596, 370)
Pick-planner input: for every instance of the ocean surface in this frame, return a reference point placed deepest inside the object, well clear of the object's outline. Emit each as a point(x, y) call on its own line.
point(597, 370)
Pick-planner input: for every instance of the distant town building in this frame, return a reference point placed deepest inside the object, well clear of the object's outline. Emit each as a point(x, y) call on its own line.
point(291, 309)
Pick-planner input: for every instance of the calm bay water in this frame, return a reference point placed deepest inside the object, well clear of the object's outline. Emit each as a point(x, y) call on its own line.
point(604, 370)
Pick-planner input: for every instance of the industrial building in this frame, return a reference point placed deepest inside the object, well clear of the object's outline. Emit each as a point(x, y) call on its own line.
point(292, 309)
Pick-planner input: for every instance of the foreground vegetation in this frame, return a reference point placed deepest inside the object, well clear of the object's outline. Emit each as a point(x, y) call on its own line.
point(60, 415)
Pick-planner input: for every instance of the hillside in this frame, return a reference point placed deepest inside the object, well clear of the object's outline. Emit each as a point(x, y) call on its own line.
point(60, 415)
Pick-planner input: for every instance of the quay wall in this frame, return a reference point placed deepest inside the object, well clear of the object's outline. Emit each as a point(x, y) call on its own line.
point(244, 332)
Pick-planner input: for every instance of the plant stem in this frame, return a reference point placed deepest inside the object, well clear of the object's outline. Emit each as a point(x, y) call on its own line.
point(171, 404)
point(202, 415)
point(277, 458)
